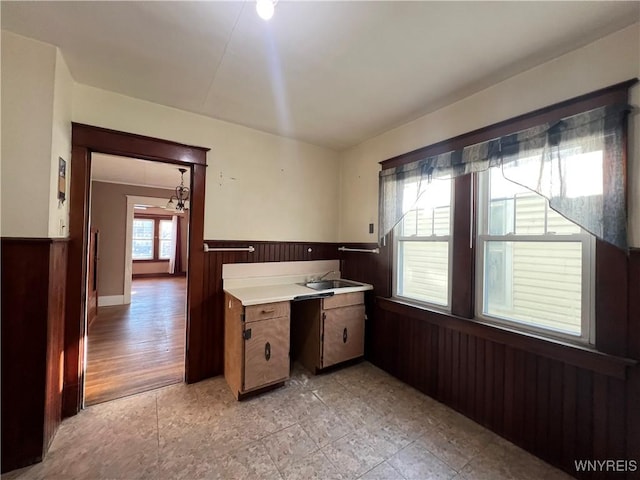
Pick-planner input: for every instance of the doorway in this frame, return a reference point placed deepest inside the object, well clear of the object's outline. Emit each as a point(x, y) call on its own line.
point(137, 269)
point(140, 346)
point(87, 140)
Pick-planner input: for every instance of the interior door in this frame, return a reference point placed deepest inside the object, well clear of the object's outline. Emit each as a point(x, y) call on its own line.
point(92, 280)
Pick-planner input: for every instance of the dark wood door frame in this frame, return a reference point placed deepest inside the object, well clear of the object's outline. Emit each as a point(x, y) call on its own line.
point(85, 140)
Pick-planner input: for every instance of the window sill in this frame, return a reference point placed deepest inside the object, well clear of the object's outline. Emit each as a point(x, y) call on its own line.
point(577, 355)
point(152, 260)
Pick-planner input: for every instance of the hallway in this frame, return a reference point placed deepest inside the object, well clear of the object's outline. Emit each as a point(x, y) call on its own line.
point(138, 347)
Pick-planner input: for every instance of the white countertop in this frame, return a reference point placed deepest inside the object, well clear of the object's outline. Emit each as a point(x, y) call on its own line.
point(255, 295)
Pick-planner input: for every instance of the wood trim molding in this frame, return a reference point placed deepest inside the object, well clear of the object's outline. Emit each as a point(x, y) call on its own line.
point(100, 139)
point(159, 275)
point(463, 245)
point(578, 356)
point(86, 139)
point(23, 240)
point(606, 96)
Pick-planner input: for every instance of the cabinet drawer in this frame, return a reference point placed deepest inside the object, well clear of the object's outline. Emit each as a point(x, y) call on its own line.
point(266, 352)
point(264, 311)
point(342, 300)
point(343, 334)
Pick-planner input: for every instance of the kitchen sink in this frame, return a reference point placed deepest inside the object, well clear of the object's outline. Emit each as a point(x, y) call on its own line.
point(330, 284)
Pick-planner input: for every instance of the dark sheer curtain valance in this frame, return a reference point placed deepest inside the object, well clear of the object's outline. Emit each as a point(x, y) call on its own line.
point(577, 163)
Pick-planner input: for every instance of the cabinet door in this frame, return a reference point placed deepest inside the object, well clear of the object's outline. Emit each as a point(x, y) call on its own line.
point(266, 352)
point(343, 334)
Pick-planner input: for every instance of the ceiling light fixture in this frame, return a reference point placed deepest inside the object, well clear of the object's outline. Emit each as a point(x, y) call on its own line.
point(265, 8)
point(181, 196)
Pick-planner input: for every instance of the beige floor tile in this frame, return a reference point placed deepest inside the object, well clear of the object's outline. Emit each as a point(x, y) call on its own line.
point(415, 462)
point(502, 460)
point(272, 409)
point(364, 375)
point(454, 444)
point(251, 462)
point(117, 439)
point(357, 416)
point(386, 436)
point(302, 379)
point(384, 471)
point(466, 433)
point(287, 445)
point(352, 455)
point(358, 412)
point(327, 427)
point(304, 404)
point(331, 394)
point(314, 466)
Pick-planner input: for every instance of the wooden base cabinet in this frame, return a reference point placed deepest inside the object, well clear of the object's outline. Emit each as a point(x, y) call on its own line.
point(328, 331)
point(256, 351)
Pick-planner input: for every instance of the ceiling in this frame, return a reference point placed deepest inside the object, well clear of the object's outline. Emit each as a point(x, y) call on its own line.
point(115, 169)
point(328, 73)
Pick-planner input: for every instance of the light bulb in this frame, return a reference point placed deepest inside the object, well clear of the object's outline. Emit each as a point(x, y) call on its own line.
point(265, 9)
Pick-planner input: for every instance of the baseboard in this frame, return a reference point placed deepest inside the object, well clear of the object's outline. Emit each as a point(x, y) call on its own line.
point(110, 300)
point(158, 275)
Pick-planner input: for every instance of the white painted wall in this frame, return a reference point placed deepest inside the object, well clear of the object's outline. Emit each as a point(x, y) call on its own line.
point(60, 146)
point(259, 186)
point(28, 72)
point(610, 60)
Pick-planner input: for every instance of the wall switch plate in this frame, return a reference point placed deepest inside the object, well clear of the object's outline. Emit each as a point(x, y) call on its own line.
point(371, 228)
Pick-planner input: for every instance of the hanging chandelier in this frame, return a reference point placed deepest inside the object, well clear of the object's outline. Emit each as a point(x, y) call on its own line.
point(181, 196)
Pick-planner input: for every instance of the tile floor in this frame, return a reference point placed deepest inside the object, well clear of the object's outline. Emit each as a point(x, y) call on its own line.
point(354, 423)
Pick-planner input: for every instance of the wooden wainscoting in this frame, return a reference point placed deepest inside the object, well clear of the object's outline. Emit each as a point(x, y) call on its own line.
point(138, 347)
point(556, 409)
point(33, 294)
point(560, 403)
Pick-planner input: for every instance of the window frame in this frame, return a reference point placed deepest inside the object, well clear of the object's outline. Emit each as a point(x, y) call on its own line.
point(156, 237)
point(431, 238)
point(482, 238)
point(611, 266)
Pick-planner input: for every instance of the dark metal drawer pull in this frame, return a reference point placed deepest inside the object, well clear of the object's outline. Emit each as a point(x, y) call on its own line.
point(344, 335)
point(267, 351)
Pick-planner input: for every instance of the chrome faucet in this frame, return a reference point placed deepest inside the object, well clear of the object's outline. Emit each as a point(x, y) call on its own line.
point(319, 279)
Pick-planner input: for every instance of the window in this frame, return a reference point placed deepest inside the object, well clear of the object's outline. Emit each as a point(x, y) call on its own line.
point(164, 250)
point(423, 244)
point(143, 236)
point(152, 238)
point(508, 257)
point(534, 267)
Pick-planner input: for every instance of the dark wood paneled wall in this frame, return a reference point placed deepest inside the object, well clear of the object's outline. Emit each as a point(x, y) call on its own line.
point(33, 295)
point(560, 405)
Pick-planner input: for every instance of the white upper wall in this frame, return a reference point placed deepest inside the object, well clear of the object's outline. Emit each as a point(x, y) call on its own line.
point(60, 147)
point(259, 186)
point(28, 77)
point(610, 60)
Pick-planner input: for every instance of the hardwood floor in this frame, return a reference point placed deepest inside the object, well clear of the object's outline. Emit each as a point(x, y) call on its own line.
point(138, 347)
